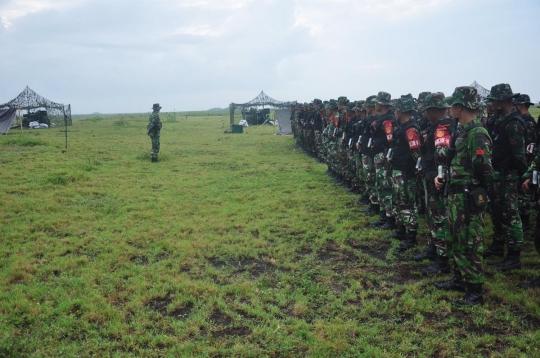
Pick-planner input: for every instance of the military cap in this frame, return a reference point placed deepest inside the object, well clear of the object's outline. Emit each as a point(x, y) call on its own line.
point(464, 95)
point(384, 98)
point(408, 95)
point(332, 104)
point(434, 100)
point(317, 101)
point(422, 96)
point(342, 100)
point(156, 106)
point(404, 105)
point(501, 92)
point(481, 106)
point(370, 101)
point(360, 106)
point(350, 106)
point(523, 99)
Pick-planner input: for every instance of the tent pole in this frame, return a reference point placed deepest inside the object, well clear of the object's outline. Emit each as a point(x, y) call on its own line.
point(20, 119)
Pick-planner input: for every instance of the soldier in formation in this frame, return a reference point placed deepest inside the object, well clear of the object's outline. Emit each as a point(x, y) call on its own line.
point(438, 154)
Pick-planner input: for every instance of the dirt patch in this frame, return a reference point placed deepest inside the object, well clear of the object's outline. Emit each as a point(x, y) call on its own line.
point(377, 249)
point(335, 253)
point(404, 275)
point(254, 267)
point(182, 313)
point(245, 315)
point(139, 260)
point(232, 332)
point(162, 256)
point(220, 318)
point(159, 304)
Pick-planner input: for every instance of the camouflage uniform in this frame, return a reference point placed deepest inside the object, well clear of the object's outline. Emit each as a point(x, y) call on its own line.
point(405, 152)
point(153, 130)
point(382, 137)
point(367, 157)
point(470, 174)
point(509, 163)
point(434, 156)
point(525, 209)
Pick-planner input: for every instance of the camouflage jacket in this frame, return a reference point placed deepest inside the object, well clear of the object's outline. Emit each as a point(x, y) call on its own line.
point(471, 163)
point(154, 124)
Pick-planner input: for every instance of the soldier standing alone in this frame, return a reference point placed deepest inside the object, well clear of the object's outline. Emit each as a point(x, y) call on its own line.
point(153, 130)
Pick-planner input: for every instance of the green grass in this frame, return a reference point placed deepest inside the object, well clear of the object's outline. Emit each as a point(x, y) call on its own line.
point(232, 245)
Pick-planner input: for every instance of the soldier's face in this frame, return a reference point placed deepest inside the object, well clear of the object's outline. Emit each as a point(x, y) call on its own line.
point(378, 107)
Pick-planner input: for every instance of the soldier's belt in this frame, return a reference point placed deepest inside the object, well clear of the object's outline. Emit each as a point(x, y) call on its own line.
point(460, 189)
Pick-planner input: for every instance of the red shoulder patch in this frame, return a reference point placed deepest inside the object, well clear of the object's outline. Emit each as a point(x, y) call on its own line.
point(413, 138)
point(442, 137)
point(388, 129)
point(480, 152)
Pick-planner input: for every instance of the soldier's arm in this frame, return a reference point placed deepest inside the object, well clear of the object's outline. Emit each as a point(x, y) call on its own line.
point(389, 130)
point(535, 165)
point(480, 153)
point(413, 137)
point(516, 135)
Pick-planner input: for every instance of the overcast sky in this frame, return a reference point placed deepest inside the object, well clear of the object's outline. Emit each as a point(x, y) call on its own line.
point(124, 55)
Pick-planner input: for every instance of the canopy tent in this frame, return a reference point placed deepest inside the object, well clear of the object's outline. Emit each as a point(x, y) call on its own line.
point(260, 101)
point(7, 117)
point(482, 92)
point(32, 102)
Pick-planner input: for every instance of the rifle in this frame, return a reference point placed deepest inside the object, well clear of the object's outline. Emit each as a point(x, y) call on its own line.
point(450, 157)
point(534, 186)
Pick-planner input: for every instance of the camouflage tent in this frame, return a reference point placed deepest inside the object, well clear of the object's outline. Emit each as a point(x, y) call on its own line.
point(28, 100)
point(260, 101)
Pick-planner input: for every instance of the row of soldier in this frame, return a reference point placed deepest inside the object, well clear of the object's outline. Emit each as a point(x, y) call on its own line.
point(444, 156)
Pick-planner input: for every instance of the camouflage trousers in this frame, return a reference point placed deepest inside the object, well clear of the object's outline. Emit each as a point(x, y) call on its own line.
point(319, 144)
point(370, 178)
point(436, 222)
point(384, 185)
point(351, 167)
point(311, 144)
point(155, 146)
point(505, 214)
point(343, 159)
point(359, 169)
point(524, 204)
point(467, 244)
point(332, 156)
point(405, 200)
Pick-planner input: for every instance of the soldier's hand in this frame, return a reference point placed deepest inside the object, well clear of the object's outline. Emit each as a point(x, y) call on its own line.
point(439, 185)
point(529, 148)
point(357, 145)
point(525, 186)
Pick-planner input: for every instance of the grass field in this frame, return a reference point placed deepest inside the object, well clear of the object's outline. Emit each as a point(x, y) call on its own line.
point(231, 245)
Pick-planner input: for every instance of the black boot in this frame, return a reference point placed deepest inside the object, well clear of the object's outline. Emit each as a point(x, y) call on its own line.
point(495, 249)
point(364, 199)
point(532, 284)
point(441, 265)
point(154, 160)
point(430, 253)
point(455, 284)
point(389, 225)
point(511, 262)
point(380, 221)
point(473, 296)
point(410, 242)
point(399, 234)
point(375, 209)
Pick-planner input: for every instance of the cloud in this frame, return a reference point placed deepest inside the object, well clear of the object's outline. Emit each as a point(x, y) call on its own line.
point(202, 54)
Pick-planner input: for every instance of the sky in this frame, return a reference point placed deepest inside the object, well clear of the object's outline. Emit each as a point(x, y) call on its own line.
point(121, 56)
